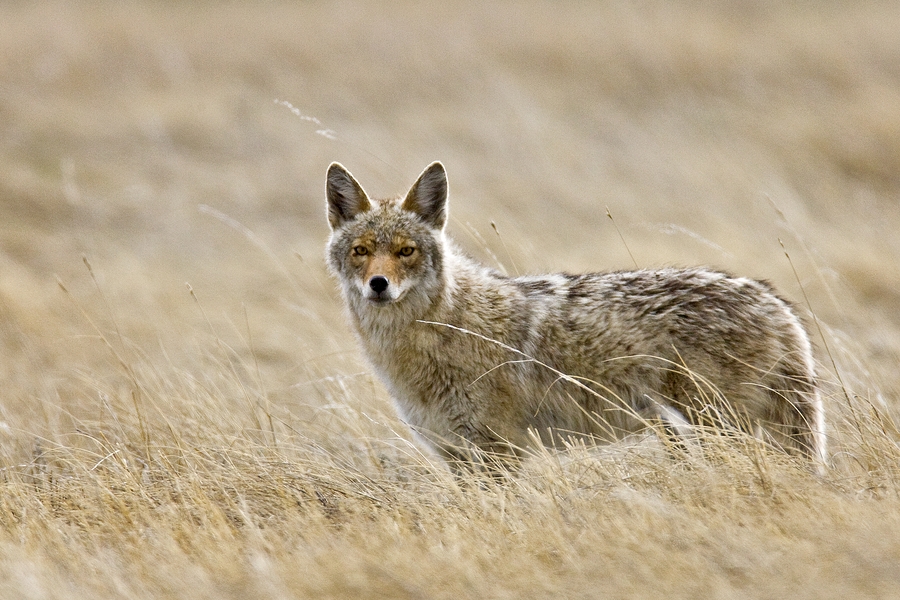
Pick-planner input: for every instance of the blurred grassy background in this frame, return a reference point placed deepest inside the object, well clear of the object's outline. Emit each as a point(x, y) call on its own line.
point(142, 147)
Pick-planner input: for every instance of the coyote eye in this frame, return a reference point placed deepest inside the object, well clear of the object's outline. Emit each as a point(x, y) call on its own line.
point(407, 251)
point(360, 251)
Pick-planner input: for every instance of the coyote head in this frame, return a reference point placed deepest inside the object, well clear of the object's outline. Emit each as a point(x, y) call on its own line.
point(384, 251)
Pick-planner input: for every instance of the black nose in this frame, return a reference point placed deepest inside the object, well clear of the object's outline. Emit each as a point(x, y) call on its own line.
point(378, 284)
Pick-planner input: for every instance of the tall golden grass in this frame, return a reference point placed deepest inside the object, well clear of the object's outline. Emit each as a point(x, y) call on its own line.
point(183, 410)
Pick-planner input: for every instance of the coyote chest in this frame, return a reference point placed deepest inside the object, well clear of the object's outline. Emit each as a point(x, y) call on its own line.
point(480, 364)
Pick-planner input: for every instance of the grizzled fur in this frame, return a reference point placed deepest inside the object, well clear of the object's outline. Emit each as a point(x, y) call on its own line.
point(478, 362)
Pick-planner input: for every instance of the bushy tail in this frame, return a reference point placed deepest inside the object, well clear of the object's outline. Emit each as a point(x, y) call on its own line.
point(798, 424)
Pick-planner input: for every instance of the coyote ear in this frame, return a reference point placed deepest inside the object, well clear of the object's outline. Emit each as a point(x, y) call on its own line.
point(428, 196)
point(346, 198)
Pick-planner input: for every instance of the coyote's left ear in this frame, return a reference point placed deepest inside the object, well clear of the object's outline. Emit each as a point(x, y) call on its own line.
point(428, 196)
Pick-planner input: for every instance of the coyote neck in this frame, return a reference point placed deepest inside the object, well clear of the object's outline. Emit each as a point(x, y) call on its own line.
point(461, 290)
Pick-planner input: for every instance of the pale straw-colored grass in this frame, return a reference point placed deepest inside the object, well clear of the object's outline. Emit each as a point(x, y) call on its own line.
point(225, 439)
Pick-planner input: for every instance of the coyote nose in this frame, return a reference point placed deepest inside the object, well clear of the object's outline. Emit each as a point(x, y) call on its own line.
point(378, 284)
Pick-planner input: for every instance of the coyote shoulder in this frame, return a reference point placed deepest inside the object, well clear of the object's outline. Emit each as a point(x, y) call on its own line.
point(480, 364)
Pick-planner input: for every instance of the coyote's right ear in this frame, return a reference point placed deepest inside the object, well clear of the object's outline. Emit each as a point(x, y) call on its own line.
point(346, 198)
point(428, 196)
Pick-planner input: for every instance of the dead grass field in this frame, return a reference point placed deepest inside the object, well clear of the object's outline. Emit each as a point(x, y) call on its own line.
point(183, 410)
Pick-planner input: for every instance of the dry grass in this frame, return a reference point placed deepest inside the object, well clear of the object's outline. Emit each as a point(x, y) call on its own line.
point(225, 438)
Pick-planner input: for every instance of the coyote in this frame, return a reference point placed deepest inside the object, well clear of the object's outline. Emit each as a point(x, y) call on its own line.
point(481, 365)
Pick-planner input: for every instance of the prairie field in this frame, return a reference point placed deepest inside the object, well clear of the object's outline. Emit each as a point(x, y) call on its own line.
point(184, 411)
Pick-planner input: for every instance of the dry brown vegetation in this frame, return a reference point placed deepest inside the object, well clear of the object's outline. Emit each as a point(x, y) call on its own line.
point(224, 439)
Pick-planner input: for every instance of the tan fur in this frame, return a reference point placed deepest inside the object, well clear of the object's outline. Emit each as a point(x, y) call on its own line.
point(482, 364)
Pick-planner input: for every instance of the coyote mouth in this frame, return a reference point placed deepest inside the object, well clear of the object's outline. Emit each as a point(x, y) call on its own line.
point(384, 298)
